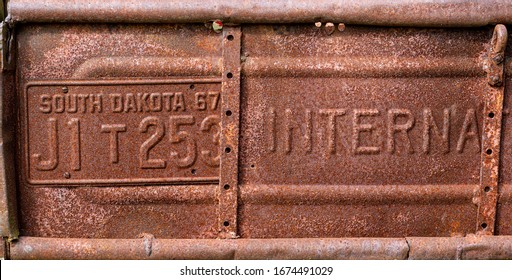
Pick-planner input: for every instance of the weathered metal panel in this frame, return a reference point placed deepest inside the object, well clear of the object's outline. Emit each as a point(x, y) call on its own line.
point(283, 140)
point(383, 12)
point(358, 114)
point(159, 160)
point(335, 127)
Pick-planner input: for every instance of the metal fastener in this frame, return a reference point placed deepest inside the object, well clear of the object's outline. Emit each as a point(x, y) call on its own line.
point(494, 80)
point(329, 28)
point(498, 59)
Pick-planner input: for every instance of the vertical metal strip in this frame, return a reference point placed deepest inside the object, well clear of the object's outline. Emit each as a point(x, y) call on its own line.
point(8, 217)
point(228, 186)
point(491, 137)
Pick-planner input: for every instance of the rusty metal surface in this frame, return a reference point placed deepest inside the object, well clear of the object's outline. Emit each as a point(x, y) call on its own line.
point(48, 248)
point(363, 131)
point(370, 12)
point(147, 247)
point(228, 186)
point(96, 52)
point(8, 206)
point(504, 211)
point(307, 132)
point(467, 248)
point(87, 132)
point(3, 249)
point(504, 206)
point(491, 134)
point(311, 135)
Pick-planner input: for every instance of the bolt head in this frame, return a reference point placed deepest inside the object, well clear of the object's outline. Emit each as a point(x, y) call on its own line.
point(494, 80)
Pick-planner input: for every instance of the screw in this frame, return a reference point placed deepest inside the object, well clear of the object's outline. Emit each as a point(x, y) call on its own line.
point(217, 26)
point(341, 27)
point(65, 89)
point(67, 175)
point(329, 28)
point(498, 58)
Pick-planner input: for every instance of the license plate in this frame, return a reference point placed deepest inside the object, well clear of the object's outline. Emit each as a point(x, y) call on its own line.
point(122, 132)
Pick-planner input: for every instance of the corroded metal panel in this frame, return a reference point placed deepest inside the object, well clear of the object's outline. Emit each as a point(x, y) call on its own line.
point(334, 123)
point(258, 131)
point(119, 131)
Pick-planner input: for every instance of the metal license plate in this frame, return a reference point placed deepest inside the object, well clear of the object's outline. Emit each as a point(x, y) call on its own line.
point(122, 132)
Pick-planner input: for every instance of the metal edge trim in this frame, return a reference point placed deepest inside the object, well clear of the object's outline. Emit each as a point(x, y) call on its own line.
point(8, 209)
point(470, 247)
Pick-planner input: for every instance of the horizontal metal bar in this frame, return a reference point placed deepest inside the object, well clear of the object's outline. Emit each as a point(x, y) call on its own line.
point(460, 248)
point(446, 13)
point(147, 247)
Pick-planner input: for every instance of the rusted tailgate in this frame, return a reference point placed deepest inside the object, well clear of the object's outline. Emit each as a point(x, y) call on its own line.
point(281, 129)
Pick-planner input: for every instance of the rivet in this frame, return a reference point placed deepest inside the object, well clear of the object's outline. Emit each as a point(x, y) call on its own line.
point(67, 175)
point(318, 24)
point(65, 89)
point(341, 27)
point(329, 28)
